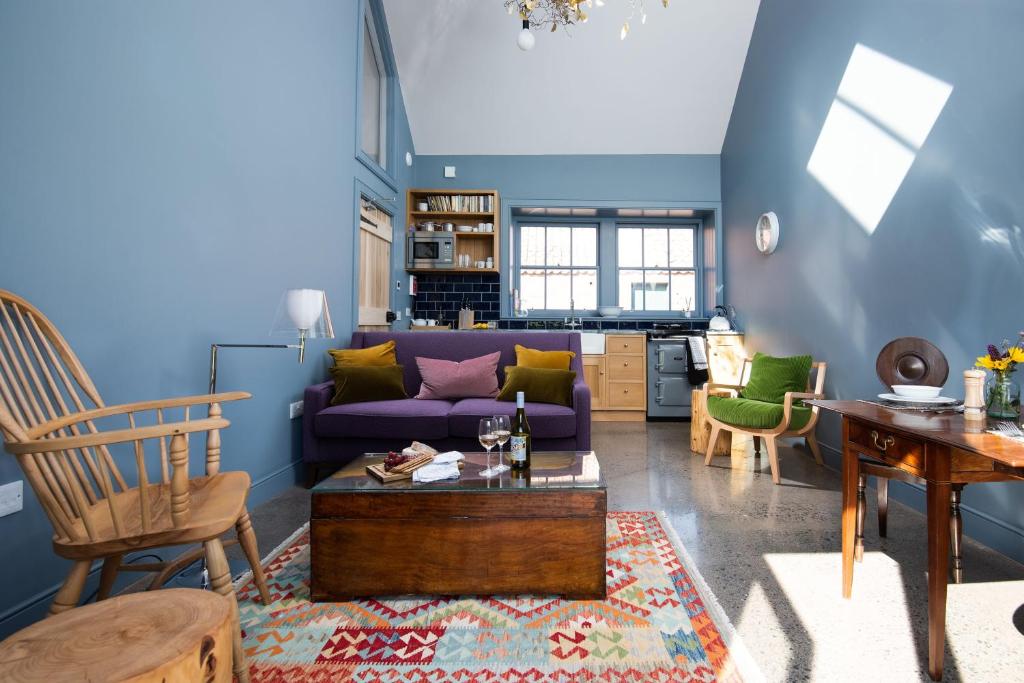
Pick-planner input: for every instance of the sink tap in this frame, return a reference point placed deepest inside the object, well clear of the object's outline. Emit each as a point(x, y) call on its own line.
point(572, 321)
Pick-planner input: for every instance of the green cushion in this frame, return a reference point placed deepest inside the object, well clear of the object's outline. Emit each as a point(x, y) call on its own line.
point(541, 385)
point(357, 383)
point(771, 378)
point(743, 412)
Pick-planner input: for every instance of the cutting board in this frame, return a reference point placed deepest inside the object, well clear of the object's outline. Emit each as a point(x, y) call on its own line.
point(378, 472)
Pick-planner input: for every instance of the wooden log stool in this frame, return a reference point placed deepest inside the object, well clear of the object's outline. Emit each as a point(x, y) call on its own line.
point(176, 635)
point(700, 429)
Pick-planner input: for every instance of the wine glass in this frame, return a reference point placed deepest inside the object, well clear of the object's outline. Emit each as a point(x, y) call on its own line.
point(487, 439)
point(503, 430)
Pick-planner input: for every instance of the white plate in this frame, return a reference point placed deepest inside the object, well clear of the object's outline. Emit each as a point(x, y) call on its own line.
point(916, 390)
point(896, 398)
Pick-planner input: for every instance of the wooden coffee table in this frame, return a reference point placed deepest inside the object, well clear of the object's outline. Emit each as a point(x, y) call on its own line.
point(539, 535)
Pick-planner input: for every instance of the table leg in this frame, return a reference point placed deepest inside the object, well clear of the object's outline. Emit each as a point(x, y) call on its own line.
point(849, 515)
point(938, 496)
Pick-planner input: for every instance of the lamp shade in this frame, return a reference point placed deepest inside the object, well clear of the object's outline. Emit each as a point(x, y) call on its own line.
point(305, 311)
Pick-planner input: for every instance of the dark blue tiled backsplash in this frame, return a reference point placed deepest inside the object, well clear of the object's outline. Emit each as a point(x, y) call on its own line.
point(440, 296)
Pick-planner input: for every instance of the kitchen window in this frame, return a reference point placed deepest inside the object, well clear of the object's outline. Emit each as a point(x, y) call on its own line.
point(656, 268)
point(558, 267)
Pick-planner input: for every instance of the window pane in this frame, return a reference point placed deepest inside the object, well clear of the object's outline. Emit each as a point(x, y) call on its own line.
point(680, 248)
point(584, 289)
point(656, 290)
point(531, 289)
point(371, 96)
point(631, 289)
point(559, 289)
point(630, 247)
point(684, 290)
point(584, 247)
point(532, 249)
point(558, 250)
point(655, 247)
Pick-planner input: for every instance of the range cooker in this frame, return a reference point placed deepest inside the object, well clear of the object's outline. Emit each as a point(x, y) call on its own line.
point(668, 382)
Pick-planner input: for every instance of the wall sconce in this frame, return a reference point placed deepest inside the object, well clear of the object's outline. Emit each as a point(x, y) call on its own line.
point(302, 312)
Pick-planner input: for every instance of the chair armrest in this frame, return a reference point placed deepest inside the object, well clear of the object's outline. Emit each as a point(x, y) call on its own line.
point(316, 397)
point(581, 401)
point(101, 438)
point(715, 386)
point(138, 407)
point(800, 396)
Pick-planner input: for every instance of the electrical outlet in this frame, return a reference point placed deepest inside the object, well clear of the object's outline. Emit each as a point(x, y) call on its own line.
point(294, 410)
point(398, 315)
point(449, 171)
point(408, 312)
point(11, 497)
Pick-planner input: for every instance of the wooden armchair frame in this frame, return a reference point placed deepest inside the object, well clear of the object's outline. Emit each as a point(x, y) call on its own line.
point(67, 459)
point(782, 429)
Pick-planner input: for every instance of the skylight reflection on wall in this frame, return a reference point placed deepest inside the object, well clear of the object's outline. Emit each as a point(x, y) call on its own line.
point(880, 118)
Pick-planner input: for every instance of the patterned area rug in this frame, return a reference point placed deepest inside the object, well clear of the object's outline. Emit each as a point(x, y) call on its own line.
point(658, 623)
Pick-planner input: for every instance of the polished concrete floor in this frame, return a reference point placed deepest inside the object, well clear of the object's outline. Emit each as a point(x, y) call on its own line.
point(771, 556)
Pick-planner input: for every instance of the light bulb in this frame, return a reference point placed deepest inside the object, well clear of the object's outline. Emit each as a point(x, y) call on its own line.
point(525, 40)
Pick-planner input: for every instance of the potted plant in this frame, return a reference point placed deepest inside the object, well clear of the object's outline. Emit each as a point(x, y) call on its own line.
point(1002, 394)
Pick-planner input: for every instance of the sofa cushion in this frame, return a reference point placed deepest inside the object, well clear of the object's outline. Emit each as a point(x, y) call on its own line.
point(547, 421)
point(540, 385)
point(744, 412)
point(381, 354)
point(407, 418)
point(358, 384)
point(453, 379)
point(535, 358)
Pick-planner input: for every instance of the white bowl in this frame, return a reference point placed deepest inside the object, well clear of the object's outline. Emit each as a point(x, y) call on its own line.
point(916, 390)
point(609, 311)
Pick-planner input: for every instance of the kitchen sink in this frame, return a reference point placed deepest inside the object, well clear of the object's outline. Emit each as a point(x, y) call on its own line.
point(593, 342)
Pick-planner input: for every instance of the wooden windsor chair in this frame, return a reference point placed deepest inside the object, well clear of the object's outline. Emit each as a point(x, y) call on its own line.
point(71, 466)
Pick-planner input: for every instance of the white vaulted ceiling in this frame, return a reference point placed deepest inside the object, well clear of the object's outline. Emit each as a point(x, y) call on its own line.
point(667, 89)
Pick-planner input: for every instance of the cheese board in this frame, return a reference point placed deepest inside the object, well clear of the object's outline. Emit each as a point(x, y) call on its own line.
point(400, 466)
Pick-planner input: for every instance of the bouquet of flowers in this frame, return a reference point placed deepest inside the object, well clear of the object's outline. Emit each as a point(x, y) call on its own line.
point(1002, 397)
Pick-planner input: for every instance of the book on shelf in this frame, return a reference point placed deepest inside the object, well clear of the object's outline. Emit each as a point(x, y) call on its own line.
point(461, 203)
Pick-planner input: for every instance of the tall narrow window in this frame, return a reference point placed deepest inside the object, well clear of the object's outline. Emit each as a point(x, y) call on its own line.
point(657, 269)
point(374, 96)
point(558, 267)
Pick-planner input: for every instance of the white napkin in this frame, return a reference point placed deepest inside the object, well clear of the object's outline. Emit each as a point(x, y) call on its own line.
point(444, 466)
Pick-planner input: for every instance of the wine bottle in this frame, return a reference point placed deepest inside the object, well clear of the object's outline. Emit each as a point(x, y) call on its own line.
point(519, 455)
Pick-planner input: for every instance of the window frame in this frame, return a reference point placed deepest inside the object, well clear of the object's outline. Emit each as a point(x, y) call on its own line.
point(559, 223)
point(607, 260)
point(371, 20)
point(696, 268)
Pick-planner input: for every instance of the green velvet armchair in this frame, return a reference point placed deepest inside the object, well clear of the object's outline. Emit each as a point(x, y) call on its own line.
point(769, 405)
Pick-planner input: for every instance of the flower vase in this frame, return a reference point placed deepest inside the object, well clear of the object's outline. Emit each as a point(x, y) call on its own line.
point(1002, 397)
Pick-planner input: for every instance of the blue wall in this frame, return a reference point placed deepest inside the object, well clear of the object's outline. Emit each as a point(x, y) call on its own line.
point(643, 177)
point(946, 262)
point(166, 171)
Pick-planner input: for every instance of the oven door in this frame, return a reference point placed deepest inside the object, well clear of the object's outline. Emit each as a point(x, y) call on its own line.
point(670, 359)
point(672, 392)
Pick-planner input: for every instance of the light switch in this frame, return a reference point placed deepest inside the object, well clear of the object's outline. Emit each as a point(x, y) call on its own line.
point(295, 410)
point(449, 171)
point(11, 498)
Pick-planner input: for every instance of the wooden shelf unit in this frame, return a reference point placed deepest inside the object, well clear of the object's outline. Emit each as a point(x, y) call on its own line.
point(479, 245)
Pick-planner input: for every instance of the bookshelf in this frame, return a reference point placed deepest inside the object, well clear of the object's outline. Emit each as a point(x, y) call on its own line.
point(462, 207)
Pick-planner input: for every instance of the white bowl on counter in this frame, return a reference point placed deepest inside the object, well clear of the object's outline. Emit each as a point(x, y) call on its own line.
point(609, 311)
point(916, 391)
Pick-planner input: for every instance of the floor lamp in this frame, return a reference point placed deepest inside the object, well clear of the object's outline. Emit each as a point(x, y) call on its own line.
point(302, 312)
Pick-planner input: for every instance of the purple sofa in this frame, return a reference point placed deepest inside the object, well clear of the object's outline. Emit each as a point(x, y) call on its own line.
point(334, 435)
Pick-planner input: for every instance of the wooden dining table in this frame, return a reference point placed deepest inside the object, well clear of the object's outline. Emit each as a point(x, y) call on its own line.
point(944, 450)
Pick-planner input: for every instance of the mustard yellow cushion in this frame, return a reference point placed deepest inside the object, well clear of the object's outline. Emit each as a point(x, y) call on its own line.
point(548, 360)
point(371, 356)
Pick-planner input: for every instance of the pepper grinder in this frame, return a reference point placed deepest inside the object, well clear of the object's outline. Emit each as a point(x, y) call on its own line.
point(974, 400)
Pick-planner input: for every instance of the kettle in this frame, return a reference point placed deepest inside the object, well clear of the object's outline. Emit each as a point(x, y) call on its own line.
point(721, 321)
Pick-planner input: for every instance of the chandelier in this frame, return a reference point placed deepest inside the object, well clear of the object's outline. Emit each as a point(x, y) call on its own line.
point(564, 13)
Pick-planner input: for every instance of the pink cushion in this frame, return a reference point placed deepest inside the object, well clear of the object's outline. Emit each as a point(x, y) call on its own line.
point(469, 379)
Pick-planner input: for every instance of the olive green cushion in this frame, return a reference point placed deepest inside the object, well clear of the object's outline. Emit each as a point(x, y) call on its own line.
point(771, 378)
point(540, 385)
point(743, 412)
point(358, 383)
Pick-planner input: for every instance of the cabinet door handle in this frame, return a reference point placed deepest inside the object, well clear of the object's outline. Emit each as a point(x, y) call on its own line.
point(625, 363)
point(888, 441)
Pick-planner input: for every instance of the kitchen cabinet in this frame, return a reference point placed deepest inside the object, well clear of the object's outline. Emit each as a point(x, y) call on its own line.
point(725, 357)
point(618, 379)
point(594, 368)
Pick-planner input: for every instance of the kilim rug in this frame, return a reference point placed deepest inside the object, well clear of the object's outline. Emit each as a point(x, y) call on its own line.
point(658, 623)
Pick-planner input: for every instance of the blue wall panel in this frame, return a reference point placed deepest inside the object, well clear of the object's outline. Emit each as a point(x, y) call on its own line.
point(166, 171)
point(945, 262)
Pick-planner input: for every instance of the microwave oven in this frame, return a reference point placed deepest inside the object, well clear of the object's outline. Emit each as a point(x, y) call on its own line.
point(431, 251)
